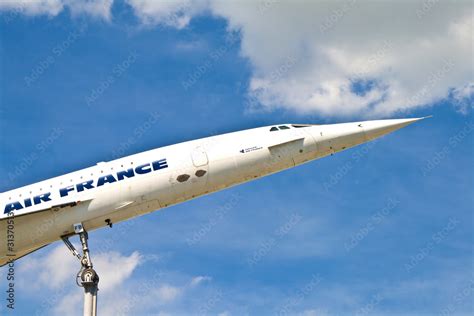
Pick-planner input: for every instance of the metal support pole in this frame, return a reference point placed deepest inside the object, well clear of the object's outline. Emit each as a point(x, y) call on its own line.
point(90, 282)
point(86, 277)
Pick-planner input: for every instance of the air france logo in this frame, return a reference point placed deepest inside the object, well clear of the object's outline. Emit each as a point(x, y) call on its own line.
point(88, 185)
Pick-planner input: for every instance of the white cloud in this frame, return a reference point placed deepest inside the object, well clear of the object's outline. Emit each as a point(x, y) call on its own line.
point(115, 268)
point(167, 293)
point(96, 8)
point(199, 279)
point(59, 266)
point(343, 57)
point(73, 298)
point(306, 56)
point(52, 277)
point(312, 312)
point(410, 61)
point(171, 13)
point(160, 292)
point(28, 7)
point(463, 98)
point(52, 270)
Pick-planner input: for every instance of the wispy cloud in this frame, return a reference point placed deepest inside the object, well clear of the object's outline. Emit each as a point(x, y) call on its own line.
point(96, 8)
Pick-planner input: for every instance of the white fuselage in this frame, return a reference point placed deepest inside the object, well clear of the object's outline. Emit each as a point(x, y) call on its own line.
point(113, 191)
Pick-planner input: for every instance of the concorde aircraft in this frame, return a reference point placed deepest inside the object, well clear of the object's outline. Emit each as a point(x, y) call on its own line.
point(36, 215)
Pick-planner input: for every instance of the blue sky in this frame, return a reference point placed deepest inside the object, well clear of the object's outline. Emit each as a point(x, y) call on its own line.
point(381, 229)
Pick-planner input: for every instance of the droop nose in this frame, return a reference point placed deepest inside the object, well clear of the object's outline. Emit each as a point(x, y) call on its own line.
point(375, 129)
point(336, 137)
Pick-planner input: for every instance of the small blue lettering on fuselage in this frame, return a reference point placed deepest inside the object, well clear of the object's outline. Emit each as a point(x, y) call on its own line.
point(87, 185)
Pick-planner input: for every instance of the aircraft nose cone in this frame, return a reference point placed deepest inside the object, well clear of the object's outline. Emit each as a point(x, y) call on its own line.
point(374, 129)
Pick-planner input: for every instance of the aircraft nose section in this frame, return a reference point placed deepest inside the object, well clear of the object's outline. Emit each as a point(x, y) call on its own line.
point(336, 137)
point(375, 129)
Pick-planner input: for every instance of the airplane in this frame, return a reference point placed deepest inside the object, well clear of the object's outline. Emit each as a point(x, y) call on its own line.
point(113, 191)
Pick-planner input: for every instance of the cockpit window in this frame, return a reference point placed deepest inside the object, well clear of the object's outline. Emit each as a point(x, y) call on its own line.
point(283, 127)
point(273, 129)
point(301, 125)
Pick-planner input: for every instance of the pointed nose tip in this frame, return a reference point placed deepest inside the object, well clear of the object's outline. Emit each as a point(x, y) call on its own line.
point(374, 129)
